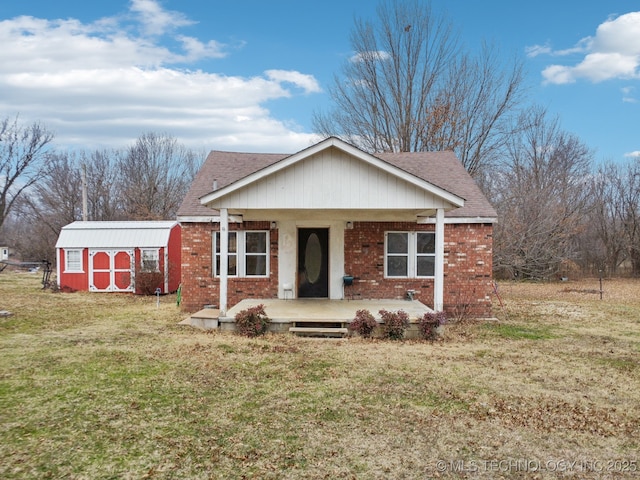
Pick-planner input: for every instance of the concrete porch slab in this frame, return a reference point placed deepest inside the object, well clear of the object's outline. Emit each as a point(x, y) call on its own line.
point(205, 319)
point(287, 311)
point(284, 314)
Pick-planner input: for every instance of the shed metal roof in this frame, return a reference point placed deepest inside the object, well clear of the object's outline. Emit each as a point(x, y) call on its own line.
point(109, 235)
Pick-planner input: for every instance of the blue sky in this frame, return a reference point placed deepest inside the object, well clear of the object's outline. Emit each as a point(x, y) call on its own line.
point(247, 75)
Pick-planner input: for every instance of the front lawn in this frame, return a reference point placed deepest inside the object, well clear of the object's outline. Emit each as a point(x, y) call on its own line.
point(101, 386)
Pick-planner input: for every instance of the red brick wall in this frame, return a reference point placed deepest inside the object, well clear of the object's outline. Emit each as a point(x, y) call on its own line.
point(468, 283)
point(467, 267)
point(199, 288)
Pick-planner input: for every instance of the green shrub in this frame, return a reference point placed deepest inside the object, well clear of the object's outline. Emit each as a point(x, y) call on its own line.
point(364, 323)
point(429, 323)
point(395, 323)
point(252, 322)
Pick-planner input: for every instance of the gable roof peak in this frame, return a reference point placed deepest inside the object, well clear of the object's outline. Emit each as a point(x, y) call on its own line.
point(235, 170)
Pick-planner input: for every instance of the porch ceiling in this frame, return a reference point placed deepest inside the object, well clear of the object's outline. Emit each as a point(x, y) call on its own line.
point(352, 215)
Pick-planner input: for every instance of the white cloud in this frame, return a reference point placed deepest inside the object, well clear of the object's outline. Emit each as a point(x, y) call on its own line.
point(370, 56)
point(635, 154)
point(155, 20)
point(195, 49)
point(307, 82)
point(582, 46)
point(100, 84)
point(628, 95)
point(613, 52)
point(535, 50)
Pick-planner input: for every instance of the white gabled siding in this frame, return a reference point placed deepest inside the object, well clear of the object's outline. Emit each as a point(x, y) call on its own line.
point(331, 179)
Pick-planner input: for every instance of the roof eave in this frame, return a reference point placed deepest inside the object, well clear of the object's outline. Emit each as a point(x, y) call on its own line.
point(452, 198)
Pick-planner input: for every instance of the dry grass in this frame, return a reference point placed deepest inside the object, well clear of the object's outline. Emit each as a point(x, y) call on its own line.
point(109, 386)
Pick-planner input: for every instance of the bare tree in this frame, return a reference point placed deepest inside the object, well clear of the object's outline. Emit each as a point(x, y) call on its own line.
point(155, 174)
point(486, 95)
point(57, 198)
point(623, 216)
point(410, 87)
point(542, 196)
point(54, 201)
point(147, 181)
point(104, 191)
point(23, 149)
point(604, 245)
point(30, 239)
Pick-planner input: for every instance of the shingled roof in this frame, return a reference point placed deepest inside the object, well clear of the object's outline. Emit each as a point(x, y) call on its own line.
point(225, 168)
point(442, 169)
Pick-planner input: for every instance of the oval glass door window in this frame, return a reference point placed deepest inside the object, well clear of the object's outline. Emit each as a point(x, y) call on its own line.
point(313, 258)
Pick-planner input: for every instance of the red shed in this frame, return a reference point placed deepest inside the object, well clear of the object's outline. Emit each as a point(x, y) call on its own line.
point(119, 256)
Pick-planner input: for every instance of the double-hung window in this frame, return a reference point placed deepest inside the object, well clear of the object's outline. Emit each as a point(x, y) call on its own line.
point(247, 256)
point(73, 260)
point(149, 260)
point(409, 254)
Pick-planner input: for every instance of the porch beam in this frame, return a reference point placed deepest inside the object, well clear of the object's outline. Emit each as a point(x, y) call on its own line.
point(224, 259)
point(438, 283)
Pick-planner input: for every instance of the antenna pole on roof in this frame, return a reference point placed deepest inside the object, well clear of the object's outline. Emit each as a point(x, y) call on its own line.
point(85, 209)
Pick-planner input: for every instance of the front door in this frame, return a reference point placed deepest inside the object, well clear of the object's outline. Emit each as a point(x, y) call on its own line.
point(313, 262)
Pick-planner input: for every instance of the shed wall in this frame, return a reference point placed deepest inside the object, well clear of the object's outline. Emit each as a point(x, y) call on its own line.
point(169, 257)
point(73, 280)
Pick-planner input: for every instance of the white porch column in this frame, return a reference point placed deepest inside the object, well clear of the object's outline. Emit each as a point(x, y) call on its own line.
point(438, 282)
point(224, 259)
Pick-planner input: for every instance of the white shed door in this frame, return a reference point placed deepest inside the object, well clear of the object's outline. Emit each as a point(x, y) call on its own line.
point(111, 270)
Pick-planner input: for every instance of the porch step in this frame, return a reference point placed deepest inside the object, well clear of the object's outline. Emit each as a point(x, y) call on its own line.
point(319, 327)
point(341, 331)
point(205, 319)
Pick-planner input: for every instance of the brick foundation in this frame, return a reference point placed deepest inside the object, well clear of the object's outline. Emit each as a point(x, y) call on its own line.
point(467, 267)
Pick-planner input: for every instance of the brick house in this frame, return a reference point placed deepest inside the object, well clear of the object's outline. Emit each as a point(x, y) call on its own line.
point(332, 221)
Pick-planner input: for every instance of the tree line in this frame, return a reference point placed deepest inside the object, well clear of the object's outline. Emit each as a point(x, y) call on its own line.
point(409, 86)
point(412, 86)
point(41, 189)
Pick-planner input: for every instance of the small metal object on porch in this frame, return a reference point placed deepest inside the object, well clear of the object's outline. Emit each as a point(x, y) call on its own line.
point(347, 281)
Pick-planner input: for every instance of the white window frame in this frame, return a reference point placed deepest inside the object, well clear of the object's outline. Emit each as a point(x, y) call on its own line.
point(412, 254)
point(241, 254)
point(155, 256)
point(76, 266)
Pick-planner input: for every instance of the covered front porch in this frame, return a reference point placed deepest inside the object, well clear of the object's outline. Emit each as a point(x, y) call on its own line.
point(326, 317)
point(313, 201)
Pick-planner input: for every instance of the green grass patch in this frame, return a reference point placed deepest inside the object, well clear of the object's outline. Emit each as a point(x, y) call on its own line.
point(519, 332)
point(629, 365)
